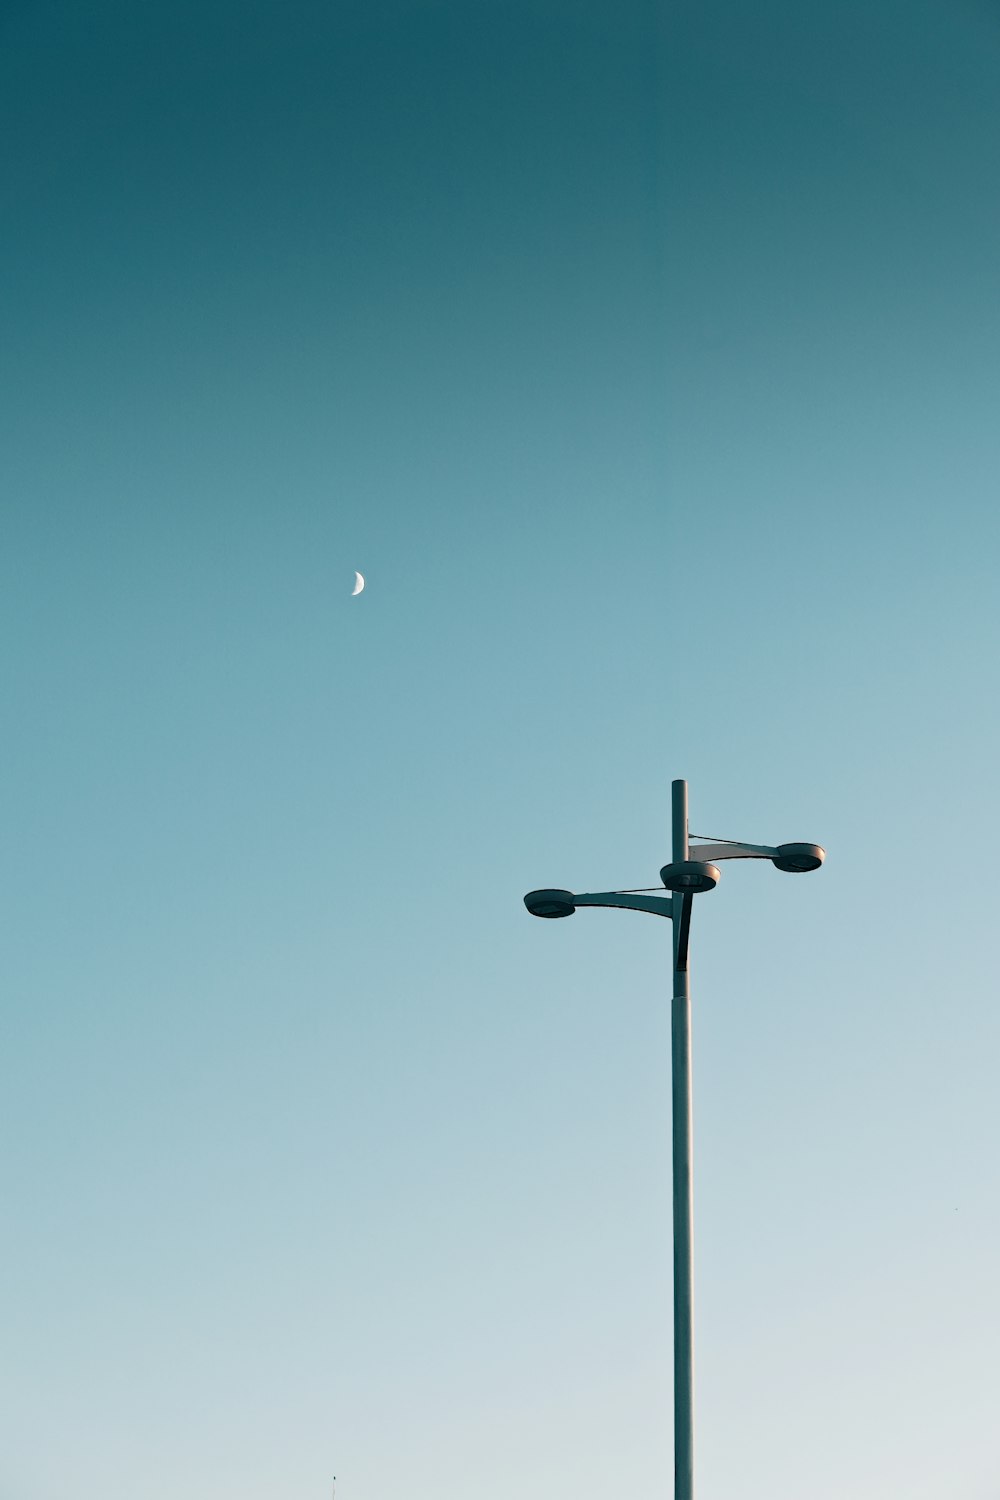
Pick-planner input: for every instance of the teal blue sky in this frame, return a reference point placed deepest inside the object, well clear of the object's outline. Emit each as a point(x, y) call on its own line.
point(646, 360)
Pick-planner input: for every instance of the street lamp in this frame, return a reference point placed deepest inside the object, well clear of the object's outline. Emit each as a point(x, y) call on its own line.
point(692, 869)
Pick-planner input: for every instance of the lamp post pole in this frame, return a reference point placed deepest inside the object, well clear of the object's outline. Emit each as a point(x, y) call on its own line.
point(680, 1066)
point(691, 871)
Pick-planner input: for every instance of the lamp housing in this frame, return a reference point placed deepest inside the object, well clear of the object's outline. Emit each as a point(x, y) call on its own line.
point(797, 859)
point(550, 903)
point(689, 876)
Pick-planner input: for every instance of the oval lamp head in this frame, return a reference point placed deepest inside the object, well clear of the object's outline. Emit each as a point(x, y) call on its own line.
point(690, 876)
point(550, 903)
point(798, 858)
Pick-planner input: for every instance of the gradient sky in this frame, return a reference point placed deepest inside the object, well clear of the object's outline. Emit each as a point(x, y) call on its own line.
point(646, 359)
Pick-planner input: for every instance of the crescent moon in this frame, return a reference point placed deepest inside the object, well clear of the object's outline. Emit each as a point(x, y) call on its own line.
point(359, 584)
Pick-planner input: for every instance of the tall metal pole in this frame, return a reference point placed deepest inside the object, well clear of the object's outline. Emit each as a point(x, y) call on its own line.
point(680, 1038)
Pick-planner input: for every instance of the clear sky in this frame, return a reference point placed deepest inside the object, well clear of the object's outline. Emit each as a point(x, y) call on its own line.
point(646, 360)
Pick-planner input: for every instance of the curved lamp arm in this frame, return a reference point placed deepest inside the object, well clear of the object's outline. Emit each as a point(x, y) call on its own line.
point(713, 852)
point(793, 858)
point(559, 903)
point(659, 906)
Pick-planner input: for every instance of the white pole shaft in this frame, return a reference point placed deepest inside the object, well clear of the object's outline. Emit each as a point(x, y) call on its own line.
point(680, 1028)
point(680, 1064)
